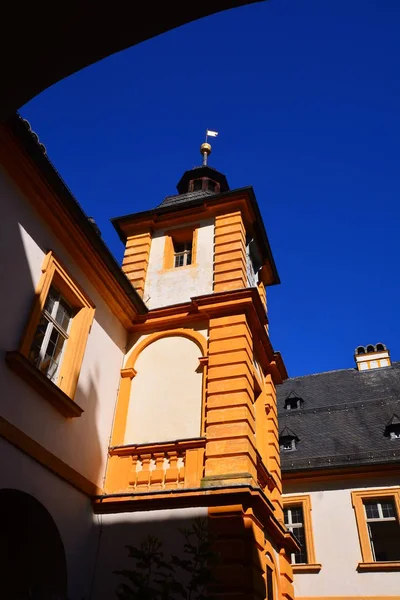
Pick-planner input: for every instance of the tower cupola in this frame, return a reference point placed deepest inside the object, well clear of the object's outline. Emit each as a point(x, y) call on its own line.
point(203, 178)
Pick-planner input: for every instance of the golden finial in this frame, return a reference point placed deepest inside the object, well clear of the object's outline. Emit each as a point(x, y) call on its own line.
point(205, 151)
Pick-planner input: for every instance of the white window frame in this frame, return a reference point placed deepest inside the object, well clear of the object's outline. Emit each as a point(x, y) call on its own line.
point(186, 253)
point(378, 519)
point(292, 528)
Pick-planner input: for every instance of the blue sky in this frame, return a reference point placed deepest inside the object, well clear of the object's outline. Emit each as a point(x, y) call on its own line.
point(306, 97)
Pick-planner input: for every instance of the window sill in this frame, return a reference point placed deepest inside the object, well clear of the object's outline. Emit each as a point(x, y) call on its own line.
point(311, 568)
point(379, 566)
point(39, 382)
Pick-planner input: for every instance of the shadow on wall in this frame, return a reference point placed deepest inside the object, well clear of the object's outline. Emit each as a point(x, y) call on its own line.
point(32, 557)
point(182, 553)
point(23, 241)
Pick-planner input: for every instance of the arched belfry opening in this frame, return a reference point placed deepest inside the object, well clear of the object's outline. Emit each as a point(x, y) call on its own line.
point(32, 557)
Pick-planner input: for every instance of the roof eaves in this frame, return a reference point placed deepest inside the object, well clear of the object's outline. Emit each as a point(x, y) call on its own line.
point(170, 208)
point(71, 204)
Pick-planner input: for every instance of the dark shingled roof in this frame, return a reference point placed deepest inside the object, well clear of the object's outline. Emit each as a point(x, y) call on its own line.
point(343, 418)
point(181, 198)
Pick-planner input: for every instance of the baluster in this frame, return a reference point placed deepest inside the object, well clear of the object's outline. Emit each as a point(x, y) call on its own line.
point(143, 476)
point(157, 476)
point(181, 467)
point(172, 472)
point(133, 472)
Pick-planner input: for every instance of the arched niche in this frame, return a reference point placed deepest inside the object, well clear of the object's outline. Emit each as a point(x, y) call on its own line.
point(32, 557)
point(165, 401)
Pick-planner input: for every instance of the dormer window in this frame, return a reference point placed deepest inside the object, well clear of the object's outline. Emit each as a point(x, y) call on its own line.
point(392, 429)
point(293, 402)
point(288, 440)
point(289, 444)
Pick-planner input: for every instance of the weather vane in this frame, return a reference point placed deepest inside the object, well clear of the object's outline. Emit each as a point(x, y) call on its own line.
point(205, 149)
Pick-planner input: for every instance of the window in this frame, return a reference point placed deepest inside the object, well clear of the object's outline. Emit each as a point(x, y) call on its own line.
point(288, 444)
point(392, 429)
point(180, 248)
point(253, 261)
point(377, 517)
point(51, 335)
point(297, 516)
point(53, 345)
point(383, 529)
point(288, 440)
point(293, 402)
point(182, 254)
point(294, 521)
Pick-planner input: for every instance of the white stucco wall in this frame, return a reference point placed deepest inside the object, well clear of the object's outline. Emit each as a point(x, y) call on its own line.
point(166, 393)
point(70, 510)
point(82, 442)
point(173, 286)
point(337, 545)
point(119, 530)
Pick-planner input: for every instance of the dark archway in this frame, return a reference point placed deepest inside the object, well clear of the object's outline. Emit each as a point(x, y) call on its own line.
point(32, 557)
point(42, 43)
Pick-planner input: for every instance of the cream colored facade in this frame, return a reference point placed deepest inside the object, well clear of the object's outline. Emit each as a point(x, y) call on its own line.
point(81, 443)
point(166, 395)
point(337, 543)
point(168, 286)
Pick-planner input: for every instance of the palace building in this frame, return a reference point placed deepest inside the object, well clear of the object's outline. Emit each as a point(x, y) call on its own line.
point(148, 400)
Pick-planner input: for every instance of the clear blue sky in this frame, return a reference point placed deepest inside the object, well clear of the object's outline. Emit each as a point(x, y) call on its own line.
point(306, 97)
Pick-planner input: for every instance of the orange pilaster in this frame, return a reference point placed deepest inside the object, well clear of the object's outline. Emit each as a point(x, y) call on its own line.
point(230, 418)
point(136, 259)
point(230, 252)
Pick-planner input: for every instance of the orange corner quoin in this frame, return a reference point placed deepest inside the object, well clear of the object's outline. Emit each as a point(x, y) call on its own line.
point(196, 419)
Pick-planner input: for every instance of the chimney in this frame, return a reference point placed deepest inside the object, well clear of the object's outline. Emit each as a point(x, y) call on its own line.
point(372, 357)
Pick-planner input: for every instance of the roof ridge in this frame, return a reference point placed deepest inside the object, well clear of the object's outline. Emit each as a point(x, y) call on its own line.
point(394, 363)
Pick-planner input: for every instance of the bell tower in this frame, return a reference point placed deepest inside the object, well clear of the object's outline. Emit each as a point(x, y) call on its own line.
point(196, 419)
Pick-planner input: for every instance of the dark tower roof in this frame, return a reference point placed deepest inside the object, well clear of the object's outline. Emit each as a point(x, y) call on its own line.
point(200, 173)
point(196, 183)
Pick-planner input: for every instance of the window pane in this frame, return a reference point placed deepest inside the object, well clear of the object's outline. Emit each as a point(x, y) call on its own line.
point(51, 299)
point(286, 516)
point(34, 352)
point(179, 260)
point(51, 361)
point(189, 258)
point(371, 510)
point(301, 556)
point(297, 514)
point(385, 540)
point(64, 314)
point(388, 509)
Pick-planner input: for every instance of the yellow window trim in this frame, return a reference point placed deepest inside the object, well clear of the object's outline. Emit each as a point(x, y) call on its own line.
point(305, 502)
point(54, 273)
point(183, 234)
point(357, 498)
